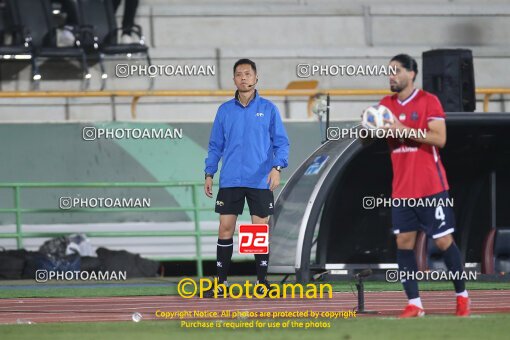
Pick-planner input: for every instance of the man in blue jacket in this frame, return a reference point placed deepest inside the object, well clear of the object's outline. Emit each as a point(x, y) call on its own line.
point(249, 137)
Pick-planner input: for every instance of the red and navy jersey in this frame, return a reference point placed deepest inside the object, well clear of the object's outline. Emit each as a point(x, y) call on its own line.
point(417, 167)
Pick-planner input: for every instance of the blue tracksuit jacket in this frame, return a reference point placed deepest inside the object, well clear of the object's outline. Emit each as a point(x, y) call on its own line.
point(250, 141)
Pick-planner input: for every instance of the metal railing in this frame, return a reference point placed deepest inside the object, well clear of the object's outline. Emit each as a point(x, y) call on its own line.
point(197, 233)
point(136, 95)
point(488, 93)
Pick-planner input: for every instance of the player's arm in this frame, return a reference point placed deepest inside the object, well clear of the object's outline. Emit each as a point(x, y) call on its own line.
point(215, 152)
point(435, 134)
point(281, 144)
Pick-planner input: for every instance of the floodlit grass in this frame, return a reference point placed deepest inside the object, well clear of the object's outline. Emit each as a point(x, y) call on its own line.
point(489, 326)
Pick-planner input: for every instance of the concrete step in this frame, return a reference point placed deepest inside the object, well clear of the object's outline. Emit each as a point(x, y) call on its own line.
point(326, 23)
point(182, 110)
point(276, 66)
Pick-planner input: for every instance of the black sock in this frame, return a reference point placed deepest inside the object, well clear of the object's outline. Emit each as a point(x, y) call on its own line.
point(453, 262)
point(261, 261)
point(223, 257)
point(407, 263)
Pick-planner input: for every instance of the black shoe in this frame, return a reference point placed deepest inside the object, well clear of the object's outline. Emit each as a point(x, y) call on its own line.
point(209, 294)
point(269, 288)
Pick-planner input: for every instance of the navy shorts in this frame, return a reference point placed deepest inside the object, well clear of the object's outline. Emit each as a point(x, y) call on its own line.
point(230, 201)
point(433, 214)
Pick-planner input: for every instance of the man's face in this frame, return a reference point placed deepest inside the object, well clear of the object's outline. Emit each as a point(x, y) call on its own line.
point(244, 76)
point(401, 79)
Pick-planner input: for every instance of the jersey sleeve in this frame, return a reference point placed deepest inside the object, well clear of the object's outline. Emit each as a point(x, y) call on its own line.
point(279, 139)
point(434, 109)
point(216, 144)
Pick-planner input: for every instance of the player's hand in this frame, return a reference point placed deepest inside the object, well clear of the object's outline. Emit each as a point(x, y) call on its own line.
point(273, 179)
point(208, 187)
point(397, 125)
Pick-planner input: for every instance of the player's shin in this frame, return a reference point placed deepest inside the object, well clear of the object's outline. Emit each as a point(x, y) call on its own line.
point(407, 264)
point(224, 251)
point(261, 261)
point(453, 261)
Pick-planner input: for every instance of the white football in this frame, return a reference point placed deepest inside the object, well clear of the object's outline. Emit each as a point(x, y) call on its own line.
point(376, 117)
point(371, 118)
point(386, 116)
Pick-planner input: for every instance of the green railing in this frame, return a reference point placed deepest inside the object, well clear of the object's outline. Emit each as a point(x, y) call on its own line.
point(195, 208)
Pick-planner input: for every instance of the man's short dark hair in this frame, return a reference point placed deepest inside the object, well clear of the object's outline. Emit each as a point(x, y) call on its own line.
point(245, 62)
point(407, 62)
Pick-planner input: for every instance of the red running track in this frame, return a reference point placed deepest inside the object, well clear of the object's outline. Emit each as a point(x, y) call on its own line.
point(40, 310)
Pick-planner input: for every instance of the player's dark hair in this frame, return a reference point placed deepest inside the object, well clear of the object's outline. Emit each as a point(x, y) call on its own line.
point(245, 62)
point(407, 62)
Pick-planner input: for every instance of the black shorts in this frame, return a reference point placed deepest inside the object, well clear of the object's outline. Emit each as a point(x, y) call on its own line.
point(230, 201)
